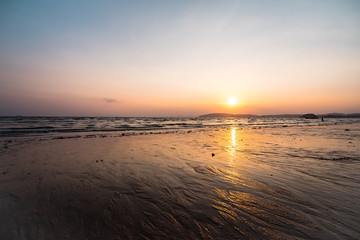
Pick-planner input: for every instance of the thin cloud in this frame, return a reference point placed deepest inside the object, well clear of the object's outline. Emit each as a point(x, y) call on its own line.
point(109, 100)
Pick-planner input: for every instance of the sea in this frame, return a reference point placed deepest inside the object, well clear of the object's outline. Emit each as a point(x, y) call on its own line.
point(28, 126)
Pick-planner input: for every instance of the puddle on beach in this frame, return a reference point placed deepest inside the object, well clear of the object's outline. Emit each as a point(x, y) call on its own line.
point(230, 183)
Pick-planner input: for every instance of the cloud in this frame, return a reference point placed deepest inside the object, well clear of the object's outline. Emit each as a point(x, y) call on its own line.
point(109, 100)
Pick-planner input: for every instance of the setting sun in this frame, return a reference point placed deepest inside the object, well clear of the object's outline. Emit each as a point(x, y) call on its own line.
point(232, 101)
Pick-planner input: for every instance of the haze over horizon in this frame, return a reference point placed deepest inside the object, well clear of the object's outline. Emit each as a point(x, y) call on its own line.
point(188, 58)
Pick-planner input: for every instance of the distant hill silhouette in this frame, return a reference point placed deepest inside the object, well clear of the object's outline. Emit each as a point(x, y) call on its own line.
point(340, 115)
point(310, 116)
point(228, 115)
point(328, 115)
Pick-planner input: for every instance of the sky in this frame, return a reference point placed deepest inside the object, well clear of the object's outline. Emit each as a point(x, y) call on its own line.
point(178, 58)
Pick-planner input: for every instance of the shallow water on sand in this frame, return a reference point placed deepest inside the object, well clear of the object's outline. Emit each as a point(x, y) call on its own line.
point(227, 183)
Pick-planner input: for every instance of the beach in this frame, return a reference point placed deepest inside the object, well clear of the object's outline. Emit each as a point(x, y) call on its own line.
point(226, 182)
point(184, 120)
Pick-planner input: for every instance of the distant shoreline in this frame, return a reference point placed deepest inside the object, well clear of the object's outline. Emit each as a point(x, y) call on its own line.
point(327, 115)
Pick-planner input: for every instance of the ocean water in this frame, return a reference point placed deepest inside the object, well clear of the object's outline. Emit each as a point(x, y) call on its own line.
point(20, 126)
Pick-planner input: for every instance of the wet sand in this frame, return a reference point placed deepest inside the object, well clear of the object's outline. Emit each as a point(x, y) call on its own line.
point(228, 183)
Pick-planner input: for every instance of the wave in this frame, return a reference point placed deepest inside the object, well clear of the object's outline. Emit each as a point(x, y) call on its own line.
point(18, 126)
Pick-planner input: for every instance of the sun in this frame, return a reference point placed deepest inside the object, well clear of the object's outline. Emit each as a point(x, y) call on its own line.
point(232, 101)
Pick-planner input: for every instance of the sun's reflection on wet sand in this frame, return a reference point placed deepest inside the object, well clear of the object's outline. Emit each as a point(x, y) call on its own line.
point(233, 136)
point(232, 146)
